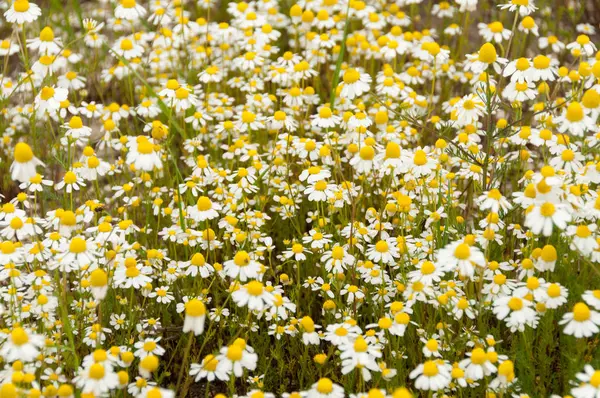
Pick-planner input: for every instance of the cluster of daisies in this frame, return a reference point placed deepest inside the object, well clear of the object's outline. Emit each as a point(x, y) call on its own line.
point(322, 199)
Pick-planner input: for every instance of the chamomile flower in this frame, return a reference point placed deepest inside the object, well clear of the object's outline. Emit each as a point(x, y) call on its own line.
point(236, 357)
point(462, 258)
point(242, 267)
point(542, 217)
point(23, 167)
point(129, 10)
point(354, 83)
point(21, 344)
point(524, 7)
point(22, 11)
point(581, 322)
point(254, 296)
point(431, 375)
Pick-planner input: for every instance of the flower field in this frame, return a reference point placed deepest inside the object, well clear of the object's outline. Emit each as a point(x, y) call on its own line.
point(328, 198)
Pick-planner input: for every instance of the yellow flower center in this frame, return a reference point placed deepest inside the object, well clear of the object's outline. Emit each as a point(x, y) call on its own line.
point(23, 153)
point(325, 112)
point(478, 356)
point(487, 53)
point(204, 203)
point(279, 116)
point(574, 112)
point(248, 117)
point(337, 253)
point(533, 283)
point(554, 290)
point(583, 39)
point(19, 336)
point(126, 45)
point(392, 150)
point(195, 308)
point(149, 346)
point(255, 288)
point(420, 158)
point(234, 352)
point(132, 272)
point(515, 303)
point(522, 64)
point(496, 27)
point(351, 76)
point(182, 93)
point(96, 371)
point(427, 268)
point(47, 34)
point(321, 185)
point(325, 386)
point(145, 147)
point(528, 22)
point(583, 231)
point(47, 93)
point(367, 153)
point(77, 245)
point(432, 345)
point(70, 178)
point(21, 5)
point(382, 246)
point(541, 62)
point(547, 209)
point(430, 369)
point(7, 247)
point(210, 363)
point(360, 345)
point(595, 379)
point(591, 99)
point(75, 122)
point(241, 258)
point(462, 251)
point(581, 312)
point(128, 3)
point(198, 260)
point(98, 278)
point(172, 84)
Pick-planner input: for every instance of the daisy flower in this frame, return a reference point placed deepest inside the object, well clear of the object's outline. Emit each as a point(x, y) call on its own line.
point(23, 167)
point(236, 357)
point(205, 209)
point(325, 388)
point(581, 322)
point(208, 369)
point(461, 257)
point(22, 11)
point(432, 375)
point(354, 83)
point(589, 383)
point(143, 154)
point(129, 10)
point(242, 267)
point(592, 297)
point(524, 7)
point(477, 366)
point(195, 315)
point(254, 295)
point(358, 354)
point(384, 251)
point(21, 344)
point(516, 311)
point(49, 99)
point(542, 217)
